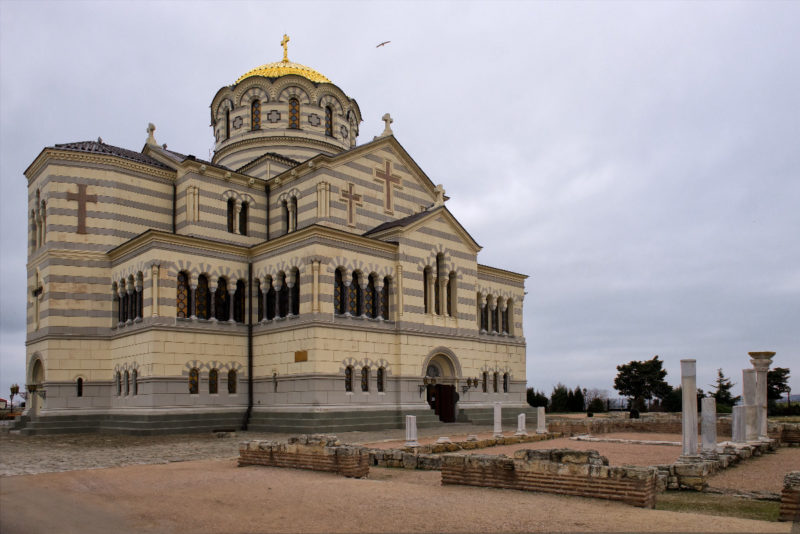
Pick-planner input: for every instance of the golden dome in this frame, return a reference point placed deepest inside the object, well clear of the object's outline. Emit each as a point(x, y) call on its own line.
point(284, 67)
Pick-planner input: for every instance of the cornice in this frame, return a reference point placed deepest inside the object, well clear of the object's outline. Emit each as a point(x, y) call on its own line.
point(49, 154)
point(500, 273)
point(259, 140)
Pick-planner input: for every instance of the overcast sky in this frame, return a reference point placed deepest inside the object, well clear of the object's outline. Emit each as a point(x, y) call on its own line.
point(639, 161)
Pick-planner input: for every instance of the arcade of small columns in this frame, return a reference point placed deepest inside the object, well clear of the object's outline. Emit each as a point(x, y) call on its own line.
point(495, 314)
point(38, 224)
point(128, 302)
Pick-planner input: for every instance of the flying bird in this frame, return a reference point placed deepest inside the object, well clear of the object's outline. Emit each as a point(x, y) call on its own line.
point(383, 43)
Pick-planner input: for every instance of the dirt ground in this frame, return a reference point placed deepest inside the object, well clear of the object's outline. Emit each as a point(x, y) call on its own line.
point(190, 484)
point(217, 496)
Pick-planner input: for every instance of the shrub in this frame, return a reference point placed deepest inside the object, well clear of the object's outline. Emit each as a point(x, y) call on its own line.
point(597, 405)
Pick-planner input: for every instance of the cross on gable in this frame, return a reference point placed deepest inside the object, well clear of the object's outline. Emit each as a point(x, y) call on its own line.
point(352, 199)
point(82, 199)
point(385, 175)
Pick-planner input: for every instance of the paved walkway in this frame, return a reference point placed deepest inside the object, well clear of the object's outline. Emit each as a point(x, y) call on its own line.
point(27, 455)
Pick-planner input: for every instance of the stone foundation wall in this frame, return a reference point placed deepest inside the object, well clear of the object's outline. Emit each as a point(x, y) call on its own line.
point(790, 497)
point(315, 453)
point(559, 471)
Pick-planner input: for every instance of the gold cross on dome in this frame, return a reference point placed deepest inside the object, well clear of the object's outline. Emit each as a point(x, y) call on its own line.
point(284, 43)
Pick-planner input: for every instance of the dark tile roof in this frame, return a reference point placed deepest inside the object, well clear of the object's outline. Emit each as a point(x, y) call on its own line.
point(405, 221)
point(288, 161)
point(97, 147)
point(183, 157)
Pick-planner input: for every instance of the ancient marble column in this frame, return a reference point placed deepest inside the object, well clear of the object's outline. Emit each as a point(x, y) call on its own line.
point(737, 425)
point(708, 426)
point(689, 415)
point(749, 399)
point(541, 424)
point(761, 362)
point(521, 431)
point(411, 431)
point(498, 422)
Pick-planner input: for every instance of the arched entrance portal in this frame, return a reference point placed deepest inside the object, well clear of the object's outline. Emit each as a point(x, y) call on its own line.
point(441, 377)
point(36, 387)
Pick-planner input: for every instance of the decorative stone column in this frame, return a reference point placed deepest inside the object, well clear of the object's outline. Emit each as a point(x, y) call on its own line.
point(761, 362)
point(290, 282)
point(541, 424)
point(129, 289)
point(278, 284)
point(411, 431)
point(482, 304)
point(265, 296)
point(498, 420)
point(749, 399)
point(315, 286)
point(138, 289)
point(193, 304)
point(521, 431)
point(738, 430)
point(379, 299)
point(363, 281)
point(231, 293)
point(212, 303)
point(709, 427)
point(689, 415)
point(154, 291)
point(347, 280)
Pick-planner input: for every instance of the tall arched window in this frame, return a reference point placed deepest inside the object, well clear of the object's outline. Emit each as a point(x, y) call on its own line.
point(294, 113)
point(494, 382)
point(387, 282)
point(232, 381)
point(231, 213)
point(126, 301)
point(371, 298)
point(437, 300)
point(213, 382)
point(202, 296)
point(270, 311)
point(243, 218)
point(485, 377)
point(139, 287)
point(127, 383)
point(381, 379)
point(426, 281)
point(354, 302)
point(182, 297)
point(295, 292)
point(238, 302)
point(505, 319)
point(227, 124)
point(496, 318)
point(365, 379)
point(339, 296)
point(79, 387)
point(221, 305)
point(328, 121)
point(260, 300)
point(283, 296)
point(255, 115)
point(505, 382)
point(285, 213)
point(135, 381)
point(484, 312)
point(293, 214)
point(118, 383)
point(194, 381)
point(348, 379)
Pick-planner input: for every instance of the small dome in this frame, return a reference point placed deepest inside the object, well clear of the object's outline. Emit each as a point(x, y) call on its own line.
point(284, 67)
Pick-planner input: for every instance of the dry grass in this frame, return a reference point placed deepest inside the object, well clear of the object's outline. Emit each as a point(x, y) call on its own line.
point(716, 504)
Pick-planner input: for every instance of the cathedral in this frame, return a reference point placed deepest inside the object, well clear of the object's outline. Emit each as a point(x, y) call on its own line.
point(297, 282)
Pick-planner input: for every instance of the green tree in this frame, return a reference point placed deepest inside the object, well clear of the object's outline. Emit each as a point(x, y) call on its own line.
point(536, 398)
point(642, 380)
point(722, 391)
point(577, 400)
point(673, 402)
point(559, 398)
point(777, 383)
